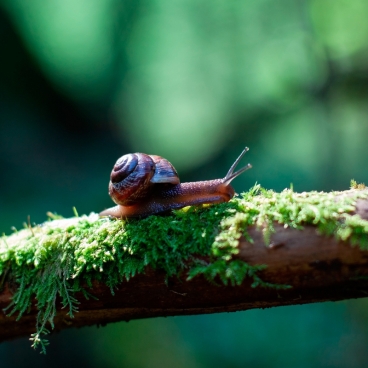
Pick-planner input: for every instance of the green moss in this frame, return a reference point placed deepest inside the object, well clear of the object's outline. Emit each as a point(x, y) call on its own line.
point(355, 185)
point(63, 256)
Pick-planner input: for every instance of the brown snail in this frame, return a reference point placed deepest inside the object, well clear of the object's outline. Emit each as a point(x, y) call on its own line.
point(143, 185)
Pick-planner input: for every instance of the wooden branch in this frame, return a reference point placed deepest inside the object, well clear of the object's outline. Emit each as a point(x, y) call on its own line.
point(318, 267)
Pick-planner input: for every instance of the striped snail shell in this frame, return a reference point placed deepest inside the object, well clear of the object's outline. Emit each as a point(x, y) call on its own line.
point(134, 174)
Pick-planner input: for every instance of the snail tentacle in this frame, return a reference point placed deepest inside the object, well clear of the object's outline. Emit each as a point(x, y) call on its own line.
point(231, 175)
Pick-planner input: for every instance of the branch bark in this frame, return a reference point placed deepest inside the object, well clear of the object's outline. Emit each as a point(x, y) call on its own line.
point(318, 267)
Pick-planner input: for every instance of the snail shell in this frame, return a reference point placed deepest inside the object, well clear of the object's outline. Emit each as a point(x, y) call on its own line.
point(134, 174)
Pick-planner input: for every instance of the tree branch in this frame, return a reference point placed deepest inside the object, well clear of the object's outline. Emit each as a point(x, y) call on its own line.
point(317, 267)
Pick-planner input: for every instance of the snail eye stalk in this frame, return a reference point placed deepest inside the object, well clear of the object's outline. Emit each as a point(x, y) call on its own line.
point(231, 175)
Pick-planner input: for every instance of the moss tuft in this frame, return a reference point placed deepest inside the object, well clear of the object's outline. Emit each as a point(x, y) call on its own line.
point(355, 185)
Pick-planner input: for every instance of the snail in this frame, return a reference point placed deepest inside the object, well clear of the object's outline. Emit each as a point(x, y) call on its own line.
point(143, 185)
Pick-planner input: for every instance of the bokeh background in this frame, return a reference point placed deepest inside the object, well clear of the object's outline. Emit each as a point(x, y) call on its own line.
point(84, 81)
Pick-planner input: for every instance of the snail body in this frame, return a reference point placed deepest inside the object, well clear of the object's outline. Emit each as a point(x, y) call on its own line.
point(143, 185)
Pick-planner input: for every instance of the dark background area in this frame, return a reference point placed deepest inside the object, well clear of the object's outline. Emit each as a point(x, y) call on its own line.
point(84, 82)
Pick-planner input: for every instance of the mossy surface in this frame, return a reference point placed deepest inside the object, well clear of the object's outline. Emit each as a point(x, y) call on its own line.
point(62, 256)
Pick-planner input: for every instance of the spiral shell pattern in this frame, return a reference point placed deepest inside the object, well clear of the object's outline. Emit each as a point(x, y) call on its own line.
point(130, 178)
point(134, 175)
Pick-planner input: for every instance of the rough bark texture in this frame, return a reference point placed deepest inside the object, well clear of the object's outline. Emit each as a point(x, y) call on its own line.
point(319, 268)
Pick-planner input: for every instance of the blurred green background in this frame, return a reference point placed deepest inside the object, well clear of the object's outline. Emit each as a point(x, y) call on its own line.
point(83, 82)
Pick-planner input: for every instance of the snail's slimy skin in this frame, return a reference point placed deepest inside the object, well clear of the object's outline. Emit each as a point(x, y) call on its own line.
point(173, 197)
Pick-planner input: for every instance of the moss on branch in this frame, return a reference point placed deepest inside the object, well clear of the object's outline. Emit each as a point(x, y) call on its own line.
point(61, 257)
